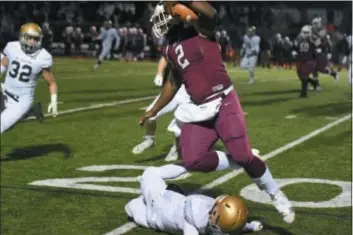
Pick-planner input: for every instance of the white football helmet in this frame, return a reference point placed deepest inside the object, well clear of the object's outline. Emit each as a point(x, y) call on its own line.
point(306, 31)
point(161, 20)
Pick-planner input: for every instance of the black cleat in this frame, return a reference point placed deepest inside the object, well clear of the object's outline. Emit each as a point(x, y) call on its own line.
point(303, 95)
point(37, 111)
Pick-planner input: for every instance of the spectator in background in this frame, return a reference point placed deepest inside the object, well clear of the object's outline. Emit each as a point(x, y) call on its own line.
point(47, 37)
point(123, 41)
point(265, 54)
point(141, 44)
point(224, 42)
point(68, 36)
point(77, 39)
point(342, 47)
point(91, 37)
point(287, 52)
point(278, 51)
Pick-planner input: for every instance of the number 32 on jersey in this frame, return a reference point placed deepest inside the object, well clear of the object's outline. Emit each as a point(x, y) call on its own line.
point(20, 72)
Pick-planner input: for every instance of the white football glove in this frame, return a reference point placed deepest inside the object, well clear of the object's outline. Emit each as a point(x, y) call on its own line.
point(158, 80)
point(253, 226)
point(53, 106)
point(294, 54)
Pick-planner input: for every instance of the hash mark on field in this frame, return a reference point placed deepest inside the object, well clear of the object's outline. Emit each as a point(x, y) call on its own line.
point(331, 118)
point(129, 226)
point(103, 105)
point(290, 116)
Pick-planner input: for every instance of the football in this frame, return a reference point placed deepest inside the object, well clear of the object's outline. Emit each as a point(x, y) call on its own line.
point(183, 12)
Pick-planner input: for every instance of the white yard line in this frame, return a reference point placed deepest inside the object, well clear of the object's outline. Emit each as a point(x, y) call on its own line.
point(98, 106)
point(129, 226)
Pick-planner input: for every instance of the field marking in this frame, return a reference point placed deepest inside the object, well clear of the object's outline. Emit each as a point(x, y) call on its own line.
point(130, 225)
point(290, 116)
point(98, 106)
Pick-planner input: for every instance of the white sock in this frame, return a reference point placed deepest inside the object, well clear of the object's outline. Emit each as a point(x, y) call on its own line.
point(225, 163)
point(267, 183)
point(150, 137)
point(171, 171)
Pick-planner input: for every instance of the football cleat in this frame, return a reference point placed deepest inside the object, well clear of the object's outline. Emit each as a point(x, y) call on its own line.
point(283, 206)
point(147, 143)
point(172, 155)
point(38, 112)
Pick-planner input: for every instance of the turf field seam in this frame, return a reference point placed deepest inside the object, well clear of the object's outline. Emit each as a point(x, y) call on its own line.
point(129, 226)
point(103, 105)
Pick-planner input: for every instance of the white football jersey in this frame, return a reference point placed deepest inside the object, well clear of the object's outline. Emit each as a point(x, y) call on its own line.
point(24, 69)
point(251, 44)
point(108, 35)
point(174, 209)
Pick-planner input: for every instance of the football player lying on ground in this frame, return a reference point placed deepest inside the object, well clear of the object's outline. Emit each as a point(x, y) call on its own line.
point(214, 111)
point(166, 208)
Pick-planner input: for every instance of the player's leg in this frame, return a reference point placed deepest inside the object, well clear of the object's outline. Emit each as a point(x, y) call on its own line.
point(14, 112)
point(323, 66)
point(244, 63)
point(252, 66)
point(105, 51)
point(303, 80)
point(174, 153)
point(231, 127)
point(151, 125)
point(196, 147)
point(137, 210)
point(149, 138)
point(37, 111)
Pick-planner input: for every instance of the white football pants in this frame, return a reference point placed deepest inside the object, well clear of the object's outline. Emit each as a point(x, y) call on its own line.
point(146, 205)
point(14, 110)
point(105, 51)
point(249, 63)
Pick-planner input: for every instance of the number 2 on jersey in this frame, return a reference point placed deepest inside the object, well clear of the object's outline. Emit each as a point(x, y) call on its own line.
point(23, 76)
point(182, 61)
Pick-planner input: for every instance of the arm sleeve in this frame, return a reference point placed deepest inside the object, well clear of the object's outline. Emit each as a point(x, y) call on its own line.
point(47, 62)
point(6, 50)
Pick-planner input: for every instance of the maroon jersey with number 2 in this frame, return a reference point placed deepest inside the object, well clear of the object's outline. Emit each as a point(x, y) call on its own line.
point(198, 61)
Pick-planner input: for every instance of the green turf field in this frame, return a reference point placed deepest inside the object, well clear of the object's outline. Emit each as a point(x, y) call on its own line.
point(105, 130)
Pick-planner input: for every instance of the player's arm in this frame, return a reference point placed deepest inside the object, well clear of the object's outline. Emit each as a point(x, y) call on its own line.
point(4, 64)
point(169, 90)
point(162, 65)
point(53, 89)
point(207, 21)
point(189, 229)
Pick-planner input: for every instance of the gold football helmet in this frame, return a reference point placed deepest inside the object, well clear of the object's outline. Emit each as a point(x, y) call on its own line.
point(228, 214)
point(30, 37)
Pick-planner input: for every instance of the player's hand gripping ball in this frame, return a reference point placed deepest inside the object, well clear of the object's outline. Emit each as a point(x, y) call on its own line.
point(180, 11)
